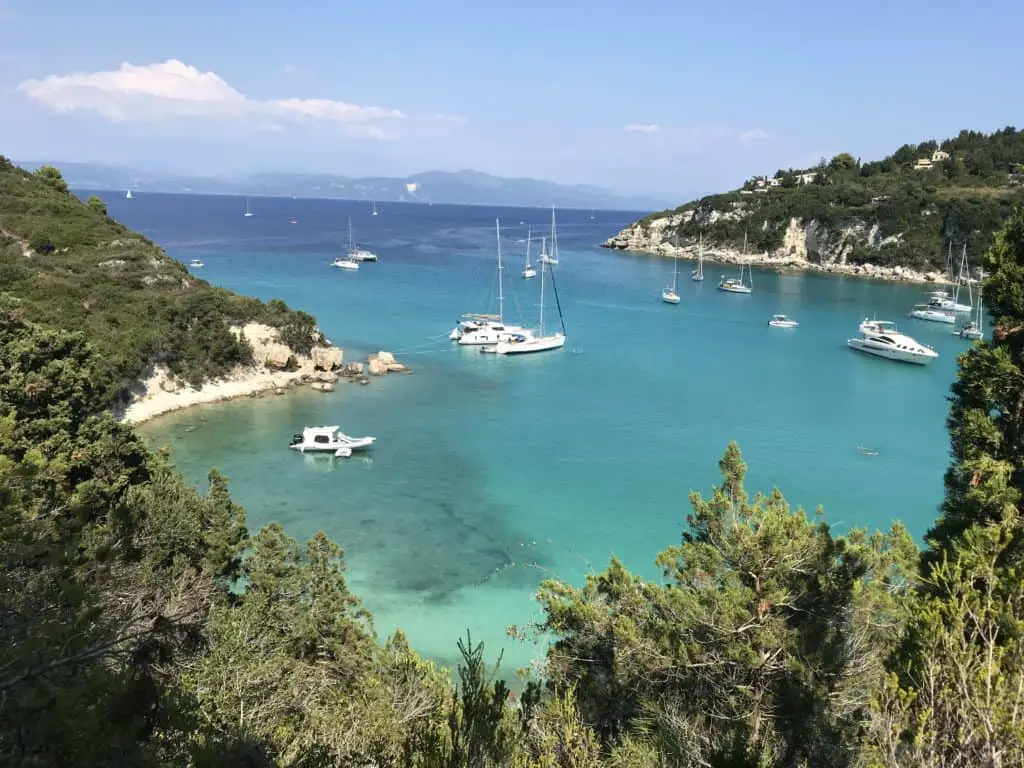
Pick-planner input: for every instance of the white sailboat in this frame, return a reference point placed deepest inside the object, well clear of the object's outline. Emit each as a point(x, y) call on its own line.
point(736, 285)
point(528, 271)
point(247, 211)
point(974, 329)
point(528, 342)
point(374, 207)
point(128, 195)
point(670, 294)
point(355, 253)
point(698, 274)
point(480, 329)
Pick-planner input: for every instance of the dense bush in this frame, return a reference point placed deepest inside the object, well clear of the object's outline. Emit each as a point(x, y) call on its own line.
point(130, 299)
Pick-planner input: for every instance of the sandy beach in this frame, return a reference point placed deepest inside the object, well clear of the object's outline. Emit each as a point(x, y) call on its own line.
point(159, 393)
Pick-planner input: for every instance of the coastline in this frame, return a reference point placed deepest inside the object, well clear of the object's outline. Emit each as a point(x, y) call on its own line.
point(161, 395)
point(784, 264)
point(275, 369)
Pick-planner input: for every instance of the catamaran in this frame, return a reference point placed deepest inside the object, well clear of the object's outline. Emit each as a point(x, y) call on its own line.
point(526, 342)
point(736, 285)
point(698, 274)
point(355, 253)
point(480, 329)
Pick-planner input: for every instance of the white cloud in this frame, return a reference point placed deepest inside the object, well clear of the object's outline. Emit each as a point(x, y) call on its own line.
point(174, 89)
point(642, 128)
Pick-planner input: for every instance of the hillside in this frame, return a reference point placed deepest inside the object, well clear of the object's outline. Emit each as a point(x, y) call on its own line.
point(65, 263)
point(466, 187)
point(893, 217)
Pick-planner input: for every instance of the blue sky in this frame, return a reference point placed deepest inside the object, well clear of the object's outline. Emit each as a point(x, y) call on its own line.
point(670, 98)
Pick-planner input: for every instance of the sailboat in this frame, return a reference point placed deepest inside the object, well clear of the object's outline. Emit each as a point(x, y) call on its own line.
point(247, 211)
point(551, 258)
point(973, 329)
point(128, 195)
point(736, 285)
point(527, 342)
point(477, 329)
point(355, 253)
point(669, 294)
point(374, 207)
point(591, 214)
point(698, 273)
point(528, 271)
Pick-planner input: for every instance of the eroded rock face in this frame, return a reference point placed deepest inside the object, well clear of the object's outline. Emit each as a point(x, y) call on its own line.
point(327, 358)
point(278, 357)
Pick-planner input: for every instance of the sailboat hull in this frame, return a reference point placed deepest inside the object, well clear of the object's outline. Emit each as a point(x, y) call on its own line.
point(670, 297)
point(527, 345)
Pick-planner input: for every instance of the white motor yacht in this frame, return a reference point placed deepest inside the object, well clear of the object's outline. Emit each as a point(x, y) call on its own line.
point(345, 263)
point(883, 339)
point(781, 321)
point(196, 264)
point(933, 313)
point(329, 439)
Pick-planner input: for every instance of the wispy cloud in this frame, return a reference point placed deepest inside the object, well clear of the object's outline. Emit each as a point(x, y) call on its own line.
point(642, 128)
point(172, 88)
point(752, 136)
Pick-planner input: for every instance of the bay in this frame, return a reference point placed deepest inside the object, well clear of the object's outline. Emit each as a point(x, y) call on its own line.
point(490, 475)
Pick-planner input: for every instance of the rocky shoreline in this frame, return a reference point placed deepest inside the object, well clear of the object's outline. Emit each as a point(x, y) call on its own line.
point(653, 240)
point(276, 369)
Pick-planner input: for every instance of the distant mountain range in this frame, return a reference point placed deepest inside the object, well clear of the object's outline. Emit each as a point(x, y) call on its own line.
point(463, 187)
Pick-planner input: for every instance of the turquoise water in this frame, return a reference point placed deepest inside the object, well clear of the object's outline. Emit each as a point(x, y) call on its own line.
point(492, 474)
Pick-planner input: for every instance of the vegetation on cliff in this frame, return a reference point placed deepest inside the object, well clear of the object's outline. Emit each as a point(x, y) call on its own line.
point(66, 263)
point(903, 210)
point(143, 624)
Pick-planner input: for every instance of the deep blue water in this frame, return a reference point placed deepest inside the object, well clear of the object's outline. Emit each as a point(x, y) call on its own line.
point(491, 474)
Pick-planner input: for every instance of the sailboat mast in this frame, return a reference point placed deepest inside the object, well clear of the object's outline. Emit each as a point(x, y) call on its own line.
point(351, 242)
point(542, 265)
point(529, 236)
point(501, 294)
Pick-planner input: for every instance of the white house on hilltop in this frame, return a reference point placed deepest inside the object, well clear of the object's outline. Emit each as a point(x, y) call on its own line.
point(927, 163)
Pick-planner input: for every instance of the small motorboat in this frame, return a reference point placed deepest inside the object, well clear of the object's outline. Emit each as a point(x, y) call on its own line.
point(329, 440)
point(195, 263)
point(781, 321)
point(350, 264)
point(867, 451)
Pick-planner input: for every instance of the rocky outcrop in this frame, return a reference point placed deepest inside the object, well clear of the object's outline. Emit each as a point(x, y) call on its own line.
point(382, 362)
point(327, 358)
point(806, 245)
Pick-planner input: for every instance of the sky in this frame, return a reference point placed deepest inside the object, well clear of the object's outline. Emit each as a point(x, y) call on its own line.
point(672, 99)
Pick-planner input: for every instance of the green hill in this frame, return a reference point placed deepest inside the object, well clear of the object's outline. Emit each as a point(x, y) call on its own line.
point(66, 263)
point(904, 210)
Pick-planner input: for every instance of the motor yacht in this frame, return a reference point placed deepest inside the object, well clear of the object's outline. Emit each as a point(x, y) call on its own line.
point(329, 439)
point(883, 339)
point(781, 321)
point(196, 264)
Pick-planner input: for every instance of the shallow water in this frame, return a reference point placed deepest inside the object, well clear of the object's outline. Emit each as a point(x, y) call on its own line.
point(492, 474)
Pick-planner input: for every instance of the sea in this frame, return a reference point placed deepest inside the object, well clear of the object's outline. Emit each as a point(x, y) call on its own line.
point(489, 474)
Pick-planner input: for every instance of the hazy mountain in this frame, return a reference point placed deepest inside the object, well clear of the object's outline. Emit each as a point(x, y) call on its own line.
point(464, 187)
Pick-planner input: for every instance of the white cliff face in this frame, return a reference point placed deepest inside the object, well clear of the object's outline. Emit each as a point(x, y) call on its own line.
point(805, 245)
